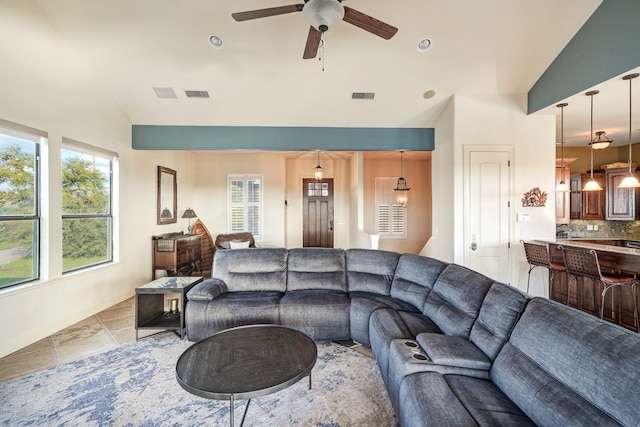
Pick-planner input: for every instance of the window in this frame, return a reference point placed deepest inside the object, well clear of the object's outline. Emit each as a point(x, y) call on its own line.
point(391, 219)
point(87, 219)
point(19, 203)
point(245, 204)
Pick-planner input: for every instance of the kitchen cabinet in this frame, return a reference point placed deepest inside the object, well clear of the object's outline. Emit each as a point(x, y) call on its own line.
point(620, 202)
point(593, 202)
point(562, 198)
point(575, 196)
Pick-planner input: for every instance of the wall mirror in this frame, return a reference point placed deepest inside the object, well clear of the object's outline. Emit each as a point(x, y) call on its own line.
point(167, 196)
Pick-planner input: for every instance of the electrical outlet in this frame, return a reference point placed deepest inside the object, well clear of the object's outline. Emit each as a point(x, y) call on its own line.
point(595, 227)
point(589, 227)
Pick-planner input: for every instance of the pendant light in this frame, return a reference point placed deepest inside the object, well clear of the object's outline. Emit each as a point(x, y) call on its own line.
point(402, 191)
point(318, 172)
point(592, 184)
point(630, 181)
point(562, 186)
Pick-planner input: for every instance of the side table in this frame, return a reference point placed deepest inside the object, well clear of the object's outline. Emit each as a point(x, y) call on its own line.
point(152, 309)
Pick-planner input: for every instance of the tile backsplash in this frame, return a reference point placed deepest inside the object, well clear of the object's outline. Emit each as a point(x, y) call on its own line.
point(629, 230)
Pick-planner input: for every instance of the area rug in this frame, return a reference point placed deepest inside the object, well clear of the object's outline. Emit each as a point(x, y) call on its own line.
point(135, 385)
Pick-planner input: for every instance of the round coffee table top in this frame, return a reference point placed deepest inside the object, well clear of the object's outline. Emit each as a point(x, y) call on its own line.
point(246, 362)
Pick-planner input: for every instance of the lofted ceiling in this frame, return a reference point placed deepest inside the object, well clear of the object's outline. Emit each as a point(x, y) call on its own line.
point(258, 77)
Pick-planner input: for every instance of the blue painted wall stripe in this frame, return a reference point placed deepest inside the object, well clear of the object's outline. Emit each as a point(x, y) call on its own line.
point(150, 137)
point(607, 45)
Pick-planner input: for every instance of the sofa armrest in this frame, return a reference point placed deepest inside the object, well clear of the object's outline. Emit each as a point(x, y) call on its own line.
point(453, 351)
point(207, 290)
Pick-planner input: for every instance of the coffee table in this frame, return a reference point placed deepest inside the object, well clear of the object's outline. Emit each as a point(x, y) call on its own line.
point(246, 362)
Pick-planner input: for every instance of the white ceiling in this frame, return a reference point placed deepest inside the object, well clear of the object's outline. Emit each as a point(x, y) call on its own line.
point(259, 77)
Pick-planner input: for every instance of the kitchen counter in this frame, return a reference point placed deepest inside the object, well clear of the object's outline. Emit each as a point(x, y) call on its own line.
point(586, 294)
point(599, 244)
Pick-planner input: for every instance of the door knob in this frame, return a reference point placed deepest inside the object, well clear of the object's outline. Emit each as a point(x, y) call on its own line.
point(330, 225)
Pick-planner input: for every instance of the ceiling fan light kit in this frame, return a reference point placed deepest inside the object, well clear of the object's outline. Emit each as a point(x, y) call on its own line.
point(323, 14)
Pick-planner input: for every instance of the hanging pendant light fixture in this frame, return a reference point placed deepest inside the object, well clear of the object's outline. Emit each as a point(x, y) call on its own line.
point(630, 181)
point(318, 172)
point(402, 191)
point(601, 141)
point(562, 186)
point(592, 184)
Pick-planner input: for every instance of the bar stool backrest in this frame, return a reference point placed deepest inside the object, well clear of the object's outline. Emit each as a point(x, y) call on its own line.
point(536, 254)
point(582, 263)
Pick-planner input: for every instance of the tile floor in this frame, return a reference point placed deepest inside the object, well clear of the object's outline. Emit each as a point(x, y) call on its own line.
point(103, 331)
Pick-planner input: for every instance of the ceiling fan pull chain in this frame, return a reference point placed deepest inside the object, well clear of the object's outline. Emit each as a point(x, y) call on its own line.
point(321, 58)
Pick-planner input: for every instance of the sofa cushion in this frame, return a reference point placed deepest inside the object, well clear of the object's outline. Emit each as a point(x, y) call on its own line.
point(501, 308)
point(231, 309)
point(434, 399)
point(370, 271)
point(363, 304)
point(455, 300)
point(453, 351)
point(321, 314)
point(414, 278)
point(316, 268)
point(259, 269)
point(562, 367)
point(426, 400)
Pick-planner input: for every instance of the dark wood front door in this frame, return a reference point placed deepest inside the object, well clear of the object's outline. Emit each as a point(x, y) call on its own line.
point(317, 202)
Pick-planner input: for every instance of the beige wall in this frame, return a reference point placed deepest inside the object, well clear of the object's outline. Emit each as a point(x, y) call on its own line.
point(417, 170)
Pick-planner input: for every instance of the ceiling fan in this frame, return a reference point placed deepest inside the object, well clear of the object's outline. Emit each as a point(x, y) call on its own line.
point(322, 15)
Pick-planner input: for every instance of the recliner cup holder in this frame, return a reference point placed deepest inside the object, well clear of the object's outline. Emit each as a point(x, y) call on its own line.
point(412, 344)
point(420, 357)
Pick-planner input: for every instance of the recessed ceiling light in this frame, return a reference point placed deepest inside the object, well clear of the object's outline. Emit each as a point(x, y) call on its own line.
point(216, 41)
point(424, 45)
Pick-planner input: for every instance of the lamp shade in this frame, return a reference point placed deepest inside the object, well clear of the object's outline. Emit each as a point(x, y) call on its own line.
point(592, 185)
point(562, 187)
point(323, 14)
point(166, 213)
point(601, 141)
point(189, 213)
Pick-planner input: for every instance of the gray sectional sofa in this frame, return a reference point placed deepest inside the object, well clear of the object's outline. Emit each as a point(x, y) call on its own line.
point(454, 347)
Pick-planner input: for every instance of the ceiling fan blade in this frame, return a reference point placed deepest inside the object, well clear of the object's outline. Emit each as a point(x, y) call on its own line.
point(263, 13)
point(313, 42)
point(368, 23)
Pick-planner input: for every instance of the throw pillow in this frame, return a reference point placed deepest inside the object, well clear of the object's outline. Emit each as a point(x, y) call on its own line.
point(239, 245)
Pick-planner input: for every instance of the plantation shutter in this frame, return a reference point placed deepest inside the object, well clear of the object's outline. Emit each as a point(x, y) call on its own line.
point(391, 219)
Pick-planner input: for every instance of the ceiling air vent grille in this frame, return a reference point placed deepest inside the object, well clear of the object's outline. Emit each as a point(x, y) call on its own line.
point(363, 95)
point(196, 93)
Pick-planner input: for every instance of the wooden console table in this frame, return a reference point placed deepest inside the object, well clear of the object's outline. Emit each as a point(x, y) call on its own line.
point(176, 253)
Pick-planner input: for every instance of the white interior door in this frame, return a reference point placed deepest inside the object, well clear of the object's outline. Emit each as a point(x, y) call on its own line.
point(487, 190)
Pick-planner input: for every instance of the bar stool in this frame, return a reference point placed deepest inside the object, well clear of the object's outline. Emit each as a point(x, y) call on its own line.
point(538, 256)
point(585, 263)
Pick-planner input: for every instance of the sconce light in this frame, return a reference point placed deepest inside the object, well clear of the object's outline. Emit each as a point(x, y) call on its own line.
point(562, 186)
point(189, 213)
point(630, 181)
point(402, 191)
point(592, 184)
point(318, 172)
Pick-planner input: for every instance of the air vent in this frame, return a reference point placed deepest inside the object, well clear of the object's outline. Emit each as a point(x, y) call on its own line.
point(363, 95)
point(164, 92)
point(196, 93)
